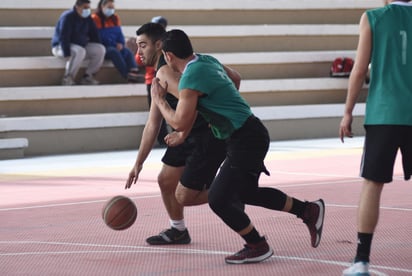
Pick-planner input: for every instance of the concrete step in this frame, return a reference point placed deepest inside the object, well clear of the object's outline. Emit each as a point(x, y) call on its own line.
point(307, 121)
point(305, 91)
point(79, 99)
point(118, 131)
point(48, 70)
point(13, 148)
point(58, 100)
point(35, 41)
point(203, 12)
point(76, 133)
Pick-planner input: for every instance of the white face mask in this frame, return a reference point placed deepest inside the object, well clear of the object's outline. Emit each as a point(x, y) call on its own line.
point(86, 13)
point(108, 12)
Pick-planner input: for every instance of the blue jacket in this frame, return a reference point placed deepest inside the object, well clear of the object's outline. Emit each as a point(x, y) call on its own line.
point(72, 28)
point(110, 30)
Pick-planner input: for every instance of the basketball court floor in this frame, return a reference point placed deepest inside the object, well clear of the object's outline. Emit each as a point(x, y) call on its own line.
point(51, 224)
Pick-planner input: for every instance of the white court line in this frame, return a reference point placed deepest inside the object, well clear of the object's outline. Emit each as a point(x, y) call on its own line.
point(316, 174)
point(314, 183)
point(382, 207)
point(152, 249)
point(68, 204)
point(350, 180)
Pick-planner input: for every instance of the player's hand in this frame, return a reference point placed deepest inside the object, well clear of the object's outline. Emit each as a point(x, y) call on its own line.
point(345, 128)
point(158, 92)
point(133, 176)
point(174, 139)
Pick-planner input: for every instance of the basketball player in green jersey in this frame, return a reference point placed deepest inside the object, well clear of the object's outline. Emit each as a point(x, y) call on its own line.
point(385, 40)
point(191, 159)
point(206, 87)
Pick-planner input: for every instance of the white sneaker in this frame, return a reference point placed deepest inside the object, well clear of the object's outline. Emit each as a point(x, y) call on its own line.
point(89, 80)
point(357, 269)
point(68, 80)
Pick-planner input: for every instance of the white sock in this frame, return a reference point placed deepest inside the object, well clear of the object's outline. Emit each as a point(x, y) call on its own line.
point(178, 224)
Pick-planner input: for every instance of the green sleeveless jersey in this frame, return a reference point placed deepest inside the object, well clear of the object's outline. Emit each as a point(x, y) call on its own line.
point(389, 100)
point(221, 104)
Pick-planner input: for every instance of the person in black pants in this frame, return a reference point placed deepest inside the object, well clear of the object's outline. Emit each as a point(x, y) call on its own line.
point(206, 87)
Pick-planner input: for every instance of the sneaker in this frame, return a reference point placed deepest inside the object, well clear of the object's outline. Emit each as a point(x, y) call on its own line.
point(251, 253)
point(357, 269)
point(68, 80)
point(313, 217)
point(89, 80)
point(170, 236)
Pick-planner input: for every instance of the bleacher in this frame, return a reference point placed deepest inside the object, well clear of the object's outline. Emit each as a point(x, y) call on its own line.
point(283, 50)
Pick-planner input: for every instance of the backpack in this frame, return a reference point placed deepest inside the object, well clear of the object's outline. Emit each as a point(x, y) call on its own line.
point(341, 67)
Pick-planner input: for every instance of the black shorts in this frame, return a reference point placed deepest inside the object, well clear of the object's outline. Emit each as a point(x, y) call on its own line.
point(201, 154)
point(382, 143)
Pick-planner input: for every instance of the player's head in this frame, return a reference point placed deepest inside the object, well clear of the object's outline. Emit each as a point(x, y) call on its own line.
point(149, 42)
point(176, 46)
point(178, 43)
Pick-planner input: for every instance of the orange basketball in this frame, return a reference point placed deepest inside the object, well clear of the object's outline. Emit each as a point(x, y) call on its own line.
point(119, 213)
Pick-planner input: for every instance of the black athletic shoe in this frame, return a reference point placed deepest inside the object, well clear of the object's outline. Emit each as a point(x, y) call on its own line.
point(170, 236)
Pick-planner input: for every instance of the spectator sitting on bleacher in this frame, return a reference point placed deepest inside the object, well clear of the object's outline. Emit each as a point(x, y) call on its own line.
point(109, 26)
point(75, 39)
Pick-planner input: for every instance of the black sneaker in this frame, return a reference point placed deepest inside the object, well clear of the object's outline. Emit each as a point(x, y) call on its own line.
point(170, 236)
point(313, 217)
point(251, 253)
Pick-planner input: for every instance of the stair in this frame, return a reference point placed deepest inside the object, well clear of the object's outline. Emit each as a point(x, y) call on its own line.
point(282, 49)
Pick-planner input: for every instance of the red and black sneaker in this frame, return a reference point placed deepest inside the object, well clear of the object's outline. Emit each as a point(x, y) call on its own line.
point(313, 217)
point(251, 253)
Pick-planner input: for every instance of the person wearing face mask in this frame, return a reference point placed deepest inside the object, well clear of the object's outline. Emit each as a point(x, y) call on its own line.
point(109, 26)
point(75, 39)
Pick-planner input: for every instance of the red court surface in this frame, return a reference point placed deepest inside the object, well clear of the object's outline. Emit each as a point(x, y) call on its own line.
point(50, 211)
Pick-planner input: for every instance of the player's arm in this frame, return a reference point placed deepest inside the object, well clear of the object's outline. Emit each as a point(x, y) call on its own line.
point(166, 75)
point(233, 75)
point(357, 76)
point(183, 117)
point(170, 77)
point(148, 139)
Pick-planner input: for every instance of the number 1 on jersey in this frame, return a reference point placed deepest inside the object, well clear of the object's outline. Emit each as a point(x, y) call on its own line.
point(404, 42)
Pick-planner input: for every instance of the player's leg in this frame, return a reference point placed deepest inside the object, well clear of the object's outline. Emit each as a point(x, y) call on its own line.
point(225, 201)
point(368, 210)
point(190, 197)
point(249, 165)
point(246, 150)
point(201, 167)
point(168, 178)
point(379, 154)
point(368, 215)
